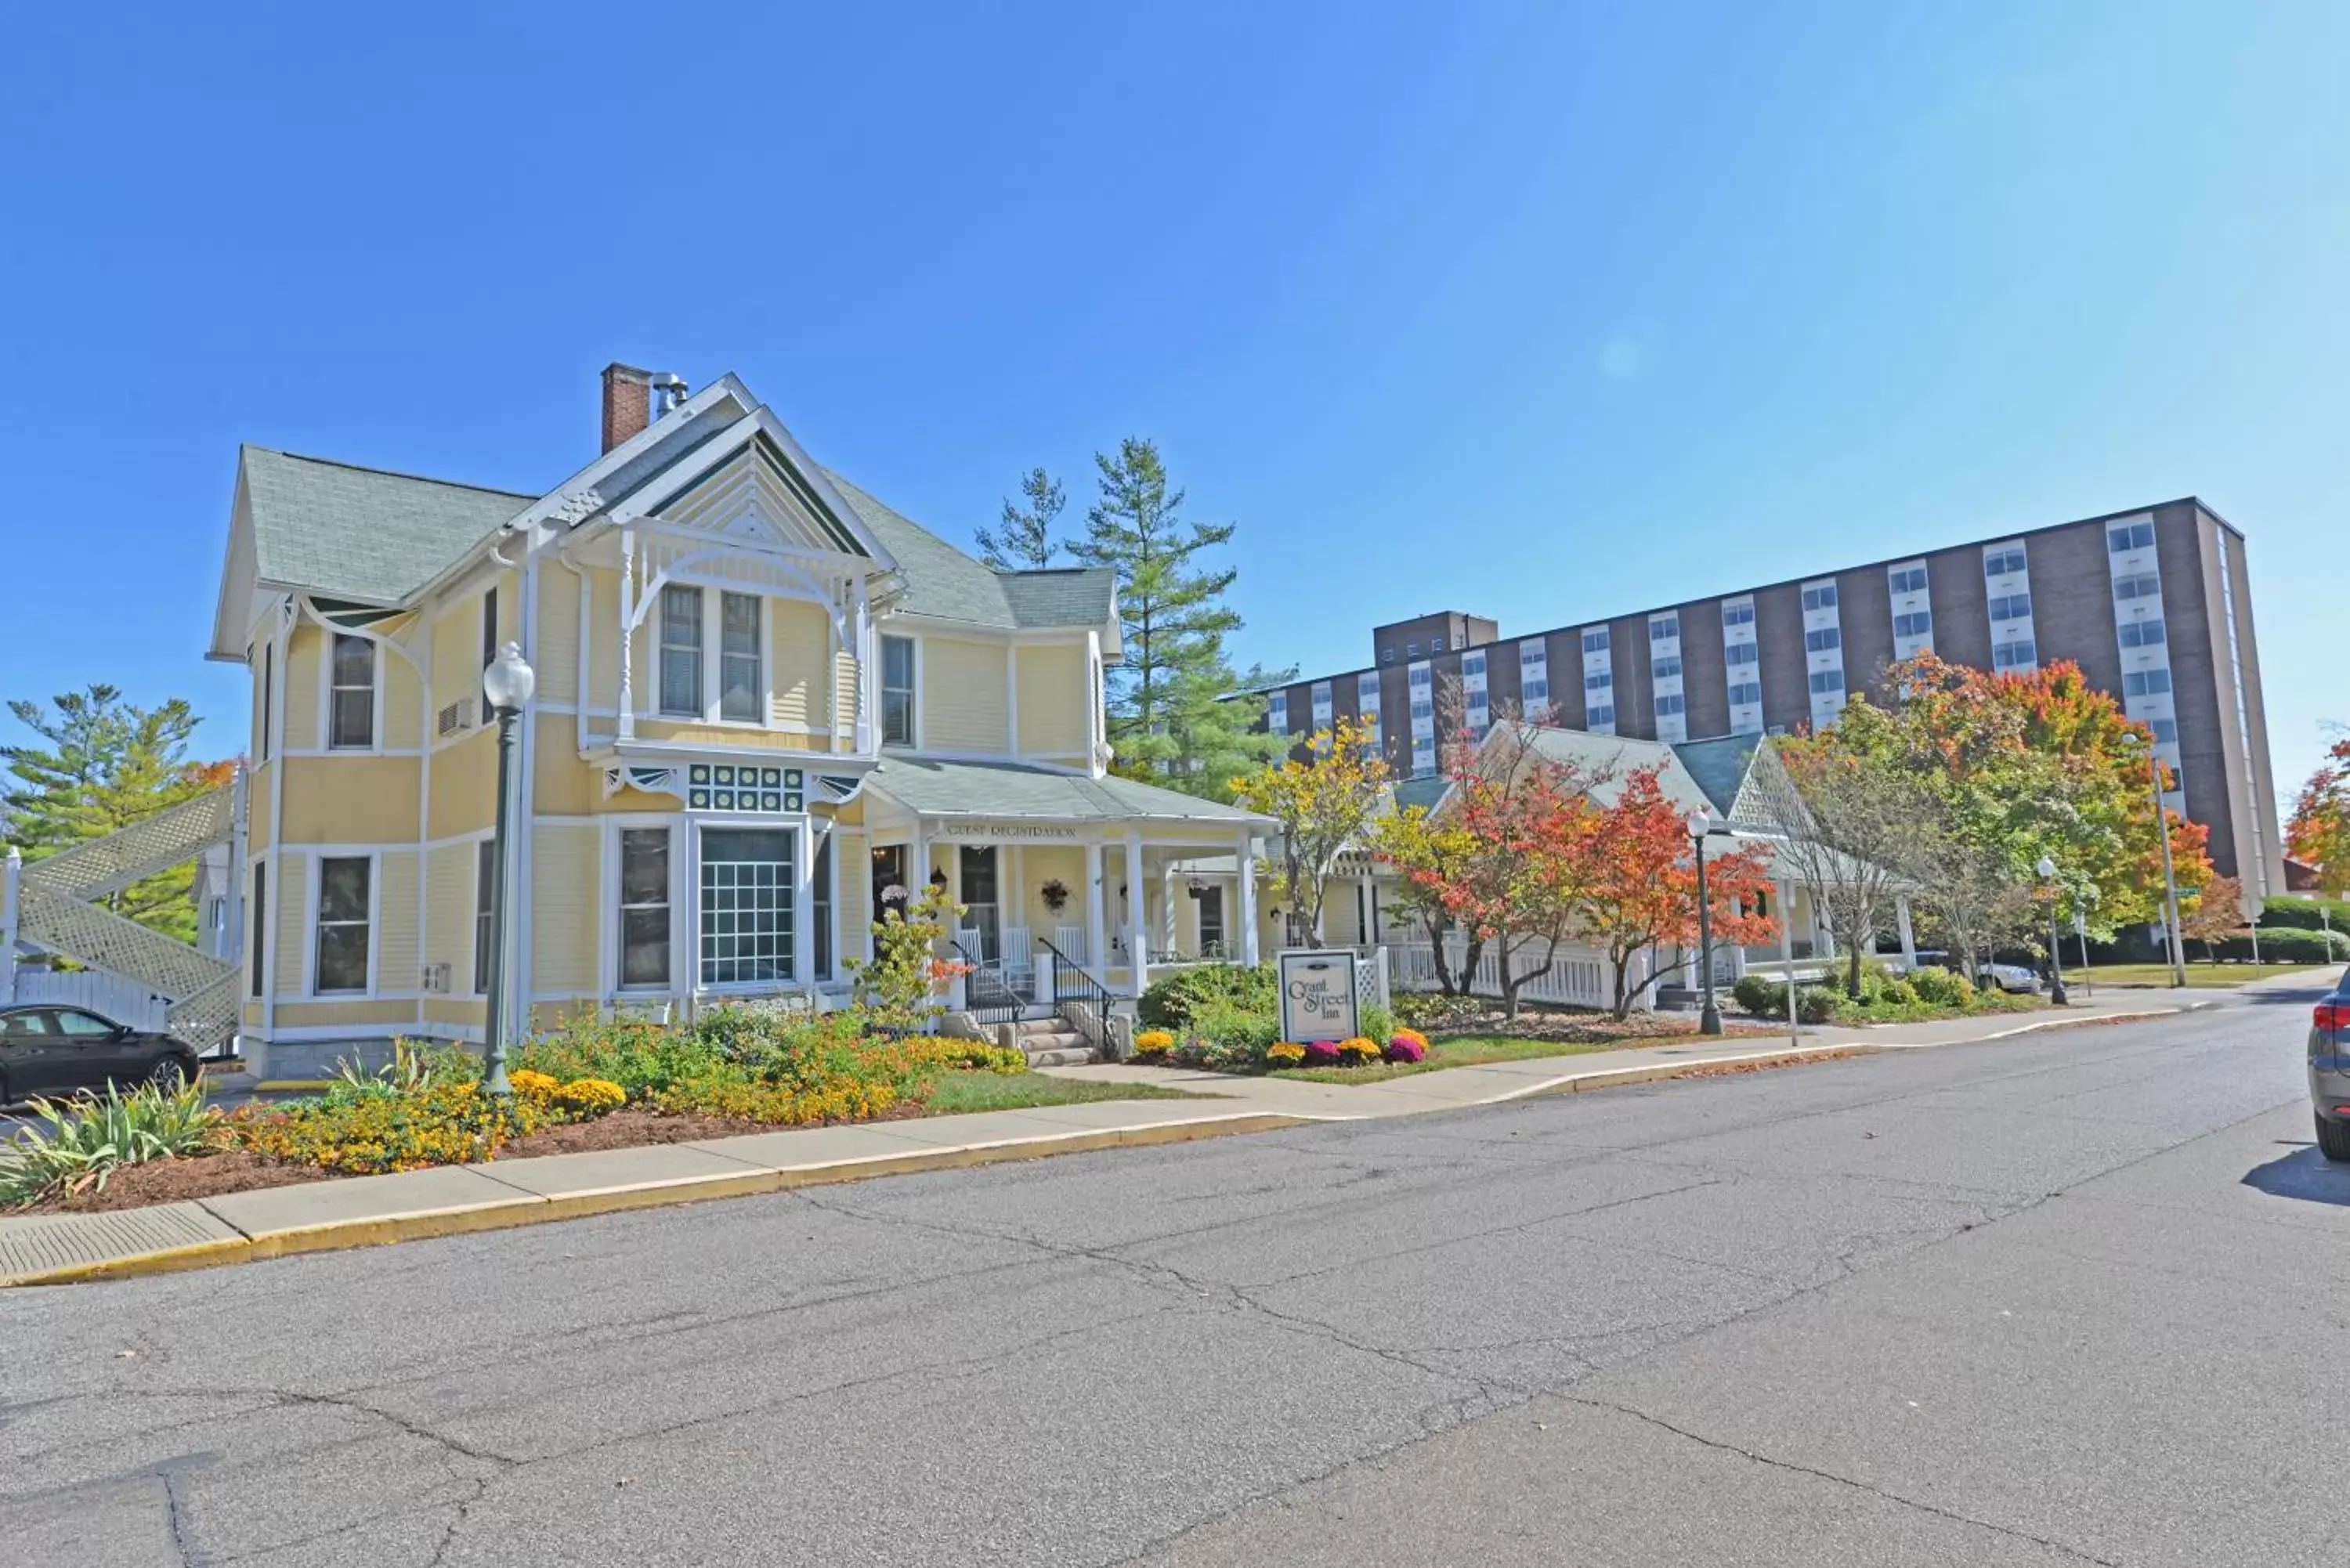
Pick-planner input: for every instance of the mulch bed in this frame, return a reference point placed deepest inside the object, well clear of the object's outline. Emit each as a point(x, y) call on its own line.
point(1730, 1069)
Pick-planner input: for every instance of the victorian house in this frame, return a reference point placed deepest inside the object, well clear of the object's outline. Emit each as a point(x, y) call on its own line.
point(765, 705)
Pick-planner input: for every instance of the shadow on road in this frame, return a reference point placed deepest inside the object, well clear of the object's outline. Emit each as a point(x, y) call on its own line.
point(2304, 1174)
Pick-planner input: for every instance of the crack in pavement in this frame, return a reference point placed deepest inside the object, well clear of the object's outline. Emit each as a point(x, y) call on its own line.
point(1720, 1446)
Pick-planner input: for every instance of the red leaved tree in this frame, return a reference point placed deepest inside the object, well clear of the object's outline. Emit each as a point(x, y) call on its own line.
point(1637, 879)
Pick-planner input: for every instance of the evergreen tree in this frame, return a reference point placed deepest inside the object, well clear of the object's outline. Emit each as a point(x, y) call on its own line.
point(1174, 715)
point(107, 763)
point(1024, 541)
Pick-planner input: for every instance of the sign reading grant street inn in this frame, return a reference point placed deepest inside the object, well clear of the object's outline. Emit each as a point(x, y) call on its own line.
point(1318, 995)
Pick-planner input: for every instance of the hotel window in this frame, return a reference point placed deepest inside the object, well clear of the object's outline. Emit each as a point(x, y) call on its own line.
point(1917, 623)
point(2014, 655)
point(1411, 650)
point(1826, 680)
point(1820, 596)
point(1319, 695)
point(1666, 668)
point(680, 650)
point(1473, 664)
point(747, 892)
point(485, 883)
point(1423, 755)
point(1745, 693)
point(1740, 614)
point(896, 690)
point(2142, 633)
point(340, 963)
point(1436, 643)
point(1825, 638)
point(1386, 656)
point(2166, 731)
point(260, 922)
point(2124, 536)
point(820, 899)
point(1907, 580)
point(1662, 629)
point(2000, 563)
point(351, 713)
point(1670, 703)
point(1599, 681)
point(1594, 718)
point(1276, 713)
point(2011, 607)
point(740, 686)
point(1367, 705)
point(2145, 682)
point(1596, 640)
point(1741, 653)
point(2138, 586)
point(644, 906)
point(1422, 705)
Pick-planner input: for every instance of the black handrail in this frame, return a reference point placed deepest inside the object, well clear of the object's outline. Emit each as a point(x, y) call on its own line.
point(988, 997)
point(1072, 982)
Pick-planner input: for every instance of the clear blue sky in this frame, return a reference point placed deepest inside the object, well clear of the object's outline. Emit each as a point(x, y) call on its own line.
point(1543, 312)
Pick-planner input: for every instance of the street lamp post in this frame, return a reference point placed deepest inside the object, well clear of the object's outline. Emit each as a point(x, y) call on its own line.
point(2173, 939)
point(2048, 870)
point(507, 685)
point(1708, 1018)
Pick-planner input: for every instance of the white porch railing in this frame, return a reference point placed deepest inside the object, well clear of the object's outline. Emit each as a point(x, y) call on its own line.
point(1577, 977)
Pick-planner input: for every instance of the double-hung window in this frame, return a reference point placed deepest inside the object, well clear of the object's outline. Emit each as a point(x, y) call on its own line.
point(741, 688)
point(820, 898)
point(644, 906)
point(351, 697)
point(260, 923)
point(340, 963)
point(680, 650)
point(485, 886)
point(896, 690)
point(747, 894)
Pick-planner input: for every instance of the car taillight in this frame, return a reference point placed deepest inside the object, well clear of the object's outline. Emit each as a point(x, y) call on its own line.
point(2332, 1016)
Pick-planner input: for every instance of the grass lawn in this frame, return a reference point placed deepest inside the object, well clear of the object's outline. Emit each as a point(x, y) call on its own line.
point(1466, 1051)
point(953, 1093)
point(2209, 976)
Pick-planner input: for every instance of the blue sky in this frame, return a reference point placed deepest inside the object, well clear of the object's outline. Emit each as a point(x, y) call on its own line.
point(1542, 312)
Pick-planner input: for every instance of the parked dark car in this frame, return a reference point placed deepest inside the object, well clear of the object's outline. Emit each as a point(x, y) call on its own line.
point(48, 1052)
point(2329, 1070)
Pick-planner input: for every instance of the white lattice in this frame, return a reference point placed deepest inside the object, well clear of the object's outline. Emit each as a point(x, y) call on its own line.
point(171, 837)
point(102, 939)
point(206, 1020)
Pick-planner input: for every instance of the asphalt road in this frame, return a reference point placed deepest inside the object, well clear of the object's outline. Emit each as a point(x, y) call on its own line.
point(2078, 1297)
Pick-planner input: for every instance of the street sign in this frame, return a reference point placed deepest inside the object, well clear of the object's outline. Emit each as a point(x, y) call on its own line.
point(1317, 995)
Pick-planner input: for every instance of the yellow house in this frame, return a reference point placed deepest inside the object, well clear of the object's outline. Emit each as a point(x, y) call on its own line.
point(765, 703)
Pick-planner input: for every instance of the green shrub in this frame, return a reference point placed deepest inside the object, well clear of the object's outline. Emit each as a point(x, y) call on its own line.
point(1761, 995)
point(1816, 1005)
point(449, 1124)
point(1941, 988)
point(1898, 991)
point(1426, 1010)
point(1228, 1036)
point(643, 1058)
point(1378, 1024)
point(87, 1141)
point(1172, 1002)
point(2293, 911)
point(2283, 946)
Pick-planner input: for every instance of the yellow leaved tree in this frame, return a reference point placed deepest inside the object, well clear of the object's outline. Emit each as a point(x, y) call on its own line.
point(1326, 805)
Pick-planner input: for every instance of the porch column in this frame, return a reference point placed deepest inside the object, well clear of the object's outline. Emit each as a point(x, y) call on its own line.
point(1138, 913)
point(1245, 847)
point(1172, 939)
point(803, 908)
point(1909, 941)
point(1096, 926)
point(628, 721)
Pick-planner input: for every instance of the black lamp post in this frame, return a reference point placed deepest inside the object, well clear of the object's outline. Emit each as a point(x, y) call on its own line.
point(2056, 997)
point(507, 685)
point(1708, 1018)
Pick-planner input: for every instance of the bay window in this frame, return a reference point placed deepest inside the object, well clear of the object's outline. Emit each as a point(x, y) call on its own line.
point(747, 896)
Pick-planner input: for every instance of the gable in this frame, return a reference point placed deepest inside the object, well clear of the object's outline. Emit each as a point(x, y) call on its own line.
point(753, 494)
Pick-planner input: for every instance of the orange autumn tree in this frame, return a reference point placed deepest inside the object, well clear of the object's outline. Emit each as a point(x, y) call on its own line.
point(2319, 831)
point(1638, 875)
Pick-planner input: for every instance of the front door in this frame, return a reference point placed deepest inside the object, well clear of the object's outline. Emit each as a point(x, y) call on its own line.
point(1212, 923)
point(890, 880)
point(977, 894)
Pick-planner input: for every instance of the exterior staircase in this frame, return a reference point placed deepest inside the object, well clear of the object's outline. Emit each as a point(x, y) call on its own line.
point(1051, 1042)
point(50, 905)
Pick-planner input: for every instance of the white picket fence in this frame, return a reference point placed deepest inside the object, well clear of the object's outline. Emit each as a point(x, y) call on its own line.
point(110, 996)
point(1577, 977)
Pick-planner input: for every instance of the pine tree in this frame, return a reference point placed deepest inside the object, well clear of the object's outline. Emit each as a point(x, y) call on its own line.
point(1174, 715)
point(107, 764)
point(1024, 541)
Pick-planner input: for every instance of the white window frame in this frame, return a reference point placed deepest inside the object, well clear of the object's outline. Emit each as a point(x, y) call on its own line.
point(700, 663)
point(609, 922)
point(317, 858)
point(327, 690)
point(762, 688)
point(882, 691)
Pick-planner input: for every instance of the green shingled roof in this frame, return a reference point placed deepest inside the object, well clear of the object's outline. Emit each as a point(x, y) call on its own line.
point(361, 533)
point(1008, 790)
point(942, 581)
point(1720, 766)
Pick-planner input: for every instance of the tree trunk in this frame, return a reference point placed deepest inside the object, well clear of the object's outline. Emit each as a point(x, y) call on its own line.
point(1852, 972)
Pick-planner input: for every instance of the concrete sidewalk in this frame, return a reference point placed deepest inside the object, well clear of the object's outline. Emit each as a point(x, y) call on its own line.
point(354, 1211)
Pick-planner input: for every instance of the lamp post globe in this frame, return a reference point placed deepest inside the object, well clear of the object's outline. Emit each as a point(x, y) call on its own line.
point(2056, 995)
point(1708, 1018)
point(507, 685)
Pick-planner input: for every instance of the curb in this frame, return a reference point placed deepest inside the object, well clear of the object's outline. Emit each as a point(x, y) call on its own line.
point(1618, 1077)
point(345, 1235)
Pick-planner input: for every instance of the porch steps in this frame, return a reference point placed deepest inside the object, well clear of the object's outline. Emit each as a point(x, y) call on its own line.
point(1051, 1042)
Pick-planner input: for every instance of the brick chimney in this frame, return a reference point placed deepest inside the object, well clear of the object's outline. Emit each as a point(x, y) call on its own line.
point(628, 402)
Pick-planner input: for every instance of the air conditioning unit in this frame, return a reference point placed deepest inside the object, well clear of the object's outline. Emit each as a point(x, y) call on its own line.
point(456, 716)
point(436, 977)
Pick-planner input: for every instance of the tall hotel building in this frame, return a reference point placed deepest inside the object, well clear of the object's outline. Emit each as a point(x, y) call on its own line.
point(2152, 604)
